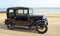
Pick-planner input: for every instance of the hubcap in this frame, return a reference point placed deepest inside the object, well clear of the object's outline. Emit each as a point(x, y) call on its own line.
point(42, 29)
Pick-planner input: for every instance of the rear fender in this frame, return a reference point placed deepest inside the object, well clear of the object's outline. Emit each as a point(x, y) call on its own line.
point(6, 21)
point(9, 20)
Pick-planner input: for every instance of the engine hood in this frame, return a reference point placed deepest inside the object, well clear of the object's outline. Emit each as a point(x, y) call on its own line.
point(37, 17)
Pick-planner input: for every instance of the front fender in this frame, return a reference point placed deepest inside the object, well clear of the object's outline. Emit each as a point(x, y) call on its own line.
point(39, 21)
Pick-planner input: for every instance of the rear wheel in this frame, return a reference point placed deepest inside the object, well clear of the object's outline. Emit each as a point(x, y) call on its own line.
point(10, 25)
point(41, 29)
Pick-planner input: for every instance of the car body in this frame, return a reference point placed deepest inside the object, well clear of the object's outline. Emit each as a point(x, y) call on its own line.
point(22, 16)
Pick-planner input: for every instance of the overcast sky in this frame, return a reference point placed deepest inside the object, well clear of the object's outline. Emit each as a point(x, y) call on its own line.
point(29, 3)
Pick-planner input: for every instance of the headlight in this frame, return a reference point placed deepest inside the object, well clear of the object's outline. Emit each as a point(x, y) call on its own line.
point(44, 17)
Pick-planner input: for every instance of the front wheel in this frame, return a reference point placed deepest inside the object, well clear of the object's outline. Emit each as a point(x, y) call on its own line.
point(41, 29)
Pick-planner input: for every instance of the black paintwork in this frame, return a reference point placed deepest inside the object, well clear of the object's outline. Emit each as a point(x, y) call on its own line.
point(15, 17)
point(25, 18)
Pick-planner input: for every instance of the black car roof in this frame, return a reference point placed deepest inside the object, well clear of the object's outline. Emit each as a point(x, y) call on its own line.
point(17, 8)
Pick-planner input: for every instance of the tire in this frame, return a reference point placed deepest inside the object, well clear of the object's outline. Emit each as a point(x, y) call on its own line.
point(41, 32)
point(10, 25)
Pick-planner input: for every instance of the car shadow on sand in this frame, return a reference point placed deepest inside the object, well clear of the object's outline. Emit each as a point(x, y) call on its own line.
point(4, 27)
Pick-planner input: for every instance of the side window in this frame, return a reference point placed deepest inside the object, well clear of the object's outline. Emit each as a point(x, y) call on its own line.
point(19, 12)
point(25, 12)
point(11, 11)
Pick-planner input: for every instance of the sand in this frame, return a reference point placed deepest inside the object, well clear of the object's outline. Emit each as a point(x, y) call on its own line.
point(53, 27)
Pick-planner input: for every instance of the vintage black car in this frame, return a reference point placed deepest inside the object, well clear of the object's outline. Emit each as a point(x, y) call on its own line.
point(23, 16)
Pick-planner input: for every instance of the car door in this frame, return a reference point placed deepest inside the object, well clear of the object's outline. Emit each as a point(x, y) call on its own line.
point(22, 17)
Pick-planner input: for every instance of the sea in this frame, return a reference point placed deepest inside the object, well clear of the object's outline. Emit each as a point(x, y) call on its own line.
point(41, 10)
point(3, 9)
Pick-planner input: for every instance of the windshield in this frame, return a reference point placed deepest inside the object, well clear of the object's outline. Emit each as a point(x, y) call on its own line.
point(30, 11)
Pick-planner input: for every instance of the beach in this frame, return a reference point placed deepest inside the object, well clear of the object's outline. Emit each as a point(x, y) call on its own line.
point(53, 27)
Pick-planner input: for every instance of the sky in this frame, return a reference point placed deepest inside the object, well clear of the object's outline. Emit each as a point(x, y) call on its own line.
point(30, 3)
point(33, 4)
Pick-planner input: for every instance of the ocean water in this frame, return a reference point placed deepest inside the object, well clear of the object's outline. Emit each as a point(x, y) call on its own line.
point(2, 9)
point(41, 10)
